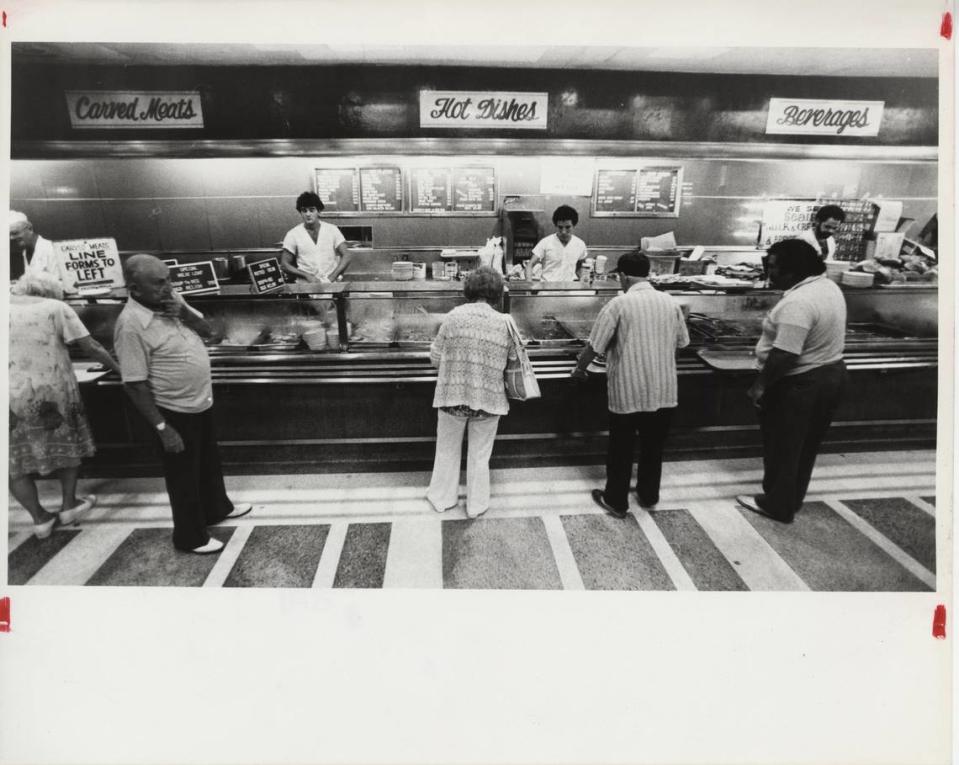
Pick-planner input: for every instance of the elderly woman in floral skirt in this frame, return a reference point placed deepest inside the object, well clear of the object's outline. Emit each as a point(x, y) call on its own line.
point(49, 433)
point(471, 351)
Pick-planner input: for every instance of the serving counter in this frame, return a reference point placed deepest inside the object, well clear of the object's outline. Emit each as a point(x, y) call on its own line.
point(358, 396)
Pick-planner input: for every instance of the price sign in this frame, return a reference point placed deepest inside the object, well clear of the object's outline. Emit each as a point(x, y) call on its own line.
point(657, 190)
point(429, 189)
point(194, 278)
point(381, 189)
point(645, 192)
point(266, 276)
point(474, 189)
point(615, 192)
point(338, 188)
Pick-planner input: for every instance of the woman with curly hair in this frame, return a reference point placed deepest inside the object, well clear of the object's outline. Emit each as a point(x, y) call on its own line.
point(49, 433)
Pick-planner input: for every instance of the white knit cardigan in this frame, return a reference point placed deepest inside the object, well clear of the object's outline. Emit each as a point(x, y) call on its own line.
point(471, 350)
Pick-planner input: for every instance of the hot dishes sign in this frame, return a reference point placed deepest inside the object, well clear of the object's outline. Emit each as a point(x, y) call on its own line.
point(483, 109)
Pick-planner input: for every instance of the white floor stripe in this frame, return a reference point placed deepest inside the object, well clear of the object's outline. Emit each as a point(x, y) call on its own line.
point(922, 505)
point(228, 558)
point(751, 556)
point(893, 550)
point(17, 539)
point(79, 560)
point(330, 559)
point(671, 563)
point(415, 556)
point(563, 554)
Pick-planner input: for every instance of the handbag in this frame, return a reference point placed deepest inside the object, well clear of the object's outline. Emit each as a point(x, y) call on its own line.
point(520, 378)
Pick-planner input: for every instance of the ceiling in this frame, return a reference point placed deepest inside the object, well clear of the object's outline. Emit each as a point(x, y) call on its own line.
point(835, 62)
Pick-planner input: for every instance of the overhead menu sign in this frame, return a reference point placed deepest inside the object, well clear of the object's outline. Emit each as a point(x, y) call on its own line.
point(648, 192)
point(88, 264)
point(381, 189)
point(809, 116)
point(474, 189)
point(483, 109)
point(337, 187)
point(429, 189)
point(140, 109)
point(194, 278)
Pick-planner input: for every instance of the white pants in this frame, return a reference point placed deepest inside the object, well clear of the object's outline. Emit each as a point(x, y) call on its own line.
point(444, 485)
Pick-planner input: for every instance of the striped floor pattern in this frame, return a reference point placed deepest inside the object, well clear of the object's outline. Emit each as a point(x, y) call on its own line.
point(868, 525)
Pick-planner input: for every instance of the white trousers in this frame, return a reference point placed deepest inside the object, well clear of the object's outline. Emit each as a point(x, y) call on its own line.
point(444, 484)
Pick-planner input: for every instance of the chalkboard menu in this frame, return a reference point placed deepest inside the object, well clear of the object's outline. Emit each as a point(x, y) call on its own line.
point(338, 188)
point(429, 189)
point(474, 189)
point(851, 237)
point(266, 276)
point(644, 192)
point(194, 278)
point(788, 218)
point(381, 189)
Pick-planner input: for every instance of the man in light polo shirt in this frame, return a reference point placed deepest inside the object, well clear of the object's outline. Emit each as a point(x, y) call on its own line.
point(561, 253)
point(639, 331)
point(801, 375)
point(166, 373)
point(314, 251)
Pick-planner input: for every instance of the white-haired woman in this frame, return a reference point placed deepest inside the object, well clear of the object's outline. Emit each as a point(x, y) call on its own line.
point(49, 433)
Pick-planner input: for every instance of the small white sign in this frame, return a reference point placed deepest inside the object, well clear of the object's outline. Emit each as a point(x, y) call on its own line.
point(566, 177)
point(483, 109)
point(88, 264)
point(809, 116)
point(124, 109)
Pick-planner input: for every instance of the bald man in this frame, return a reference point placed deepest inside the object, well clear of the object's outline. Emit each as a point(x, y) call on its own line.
point(166, 373)
point(28, 250)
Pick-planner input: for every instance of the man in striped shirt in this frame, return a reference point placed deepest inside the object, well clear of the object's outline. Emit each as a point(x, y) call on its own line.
point(639, 331)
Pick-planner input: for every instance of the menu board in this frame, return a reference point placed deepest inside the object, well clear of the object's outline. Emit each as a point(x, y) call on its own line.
point(194, 278)
point(653, 191)
point(338, 188)
point(266, 275)
point(788, 218)
point(429, 189)
point(851, 238)
point(381, 189)
point(474, 189)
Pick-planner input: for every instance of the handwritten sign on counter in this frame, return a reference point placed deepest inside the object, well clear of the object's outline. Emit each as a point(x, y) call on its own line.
point(266, 276)
point(88, 264)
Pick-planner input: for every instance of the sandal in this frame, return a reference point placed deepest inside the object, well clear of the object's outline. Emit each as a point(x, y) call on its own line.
point(43, 530)
point(73, 514)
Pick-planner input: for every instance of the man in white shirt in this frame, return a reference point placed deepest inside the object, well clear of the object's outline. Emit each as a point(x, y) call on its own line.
point(28, 250)
point(639, 331)
point(561, 253)
point(822, 235)
point(314, 251)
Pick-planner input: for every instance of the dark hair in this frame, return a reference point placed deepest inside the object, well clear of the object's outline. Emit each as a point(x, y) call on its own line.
point(830, 211)
point(633, 263)
point(308, 199)
point(565, 212)
point(484, 283)
point(797, 257)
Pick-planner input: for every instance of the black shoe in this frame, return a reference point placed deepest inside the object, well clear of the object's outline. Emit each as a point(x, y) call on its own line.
point(600, 499)
point(752, 503)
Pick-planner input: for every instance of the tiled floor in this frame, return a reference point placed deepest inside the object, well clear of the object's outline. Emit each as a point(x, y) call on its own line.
point(868, 525)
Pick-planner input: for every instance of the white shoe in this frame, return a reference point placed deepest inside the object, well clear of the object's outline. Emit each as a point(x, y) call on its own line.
point(44, 530)
point(239, 511)
point(472, 516)
point(213, 546)
point(73, 514)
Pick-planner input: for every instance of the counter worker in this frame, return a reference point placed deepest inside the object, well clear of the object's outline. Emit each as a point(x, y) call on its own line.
point(639, 331)
point(28, 250)
point(166, 373)
point(561, 253)
point(801, 376)
point(827, 221)
point(318, 249)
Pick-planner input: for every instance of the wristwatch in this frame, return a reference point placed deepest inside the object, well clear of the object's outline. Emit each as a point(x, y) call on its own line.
point(161, 427)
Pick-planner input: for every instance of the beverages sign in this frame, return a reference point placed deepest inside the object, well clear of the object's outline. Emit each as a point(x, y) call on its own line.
point(124, 109)
point(88, 265)
point(808, 116)
point(483, 109)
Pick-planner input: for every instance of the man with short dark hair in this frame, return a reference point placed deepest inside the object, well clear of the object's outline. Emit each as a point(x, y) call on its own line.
point(166, 373)
point(639, 331)
point(314, 251)
point(561, 253)
point(826, 225)
point(801, 376)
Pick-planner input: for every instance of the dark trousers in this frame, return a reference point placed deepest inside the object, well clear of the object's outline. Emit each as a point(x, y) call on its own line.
point(194, 479)
point(651, 429)
point(795, 415)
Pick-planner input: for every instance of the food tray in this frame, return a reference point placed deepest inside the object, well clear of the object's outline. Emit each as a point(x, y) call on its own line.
point(729, 361)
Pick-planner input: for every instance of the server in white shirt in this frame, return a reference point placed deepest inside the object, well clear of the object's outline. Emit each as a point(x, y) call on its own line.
point(314, 251)
point(639, 331)
point(828, 219)
point(28, 250)
point(561, 253)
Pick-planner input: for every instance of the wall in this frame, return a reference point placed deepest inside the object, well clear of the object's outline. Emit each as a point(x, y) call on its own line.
point(202, 204)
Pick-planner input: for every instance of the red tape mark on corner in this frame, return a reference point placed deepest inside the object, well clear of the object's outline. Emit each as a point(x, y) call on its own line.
point(939, 623)
point(4, 614)
point(945, 29)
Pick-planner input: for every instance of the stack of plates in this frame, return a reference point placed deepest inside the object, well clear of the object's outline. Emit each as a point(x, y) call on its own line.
point(857, 279)
point(402, 271)
point(836, 268)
